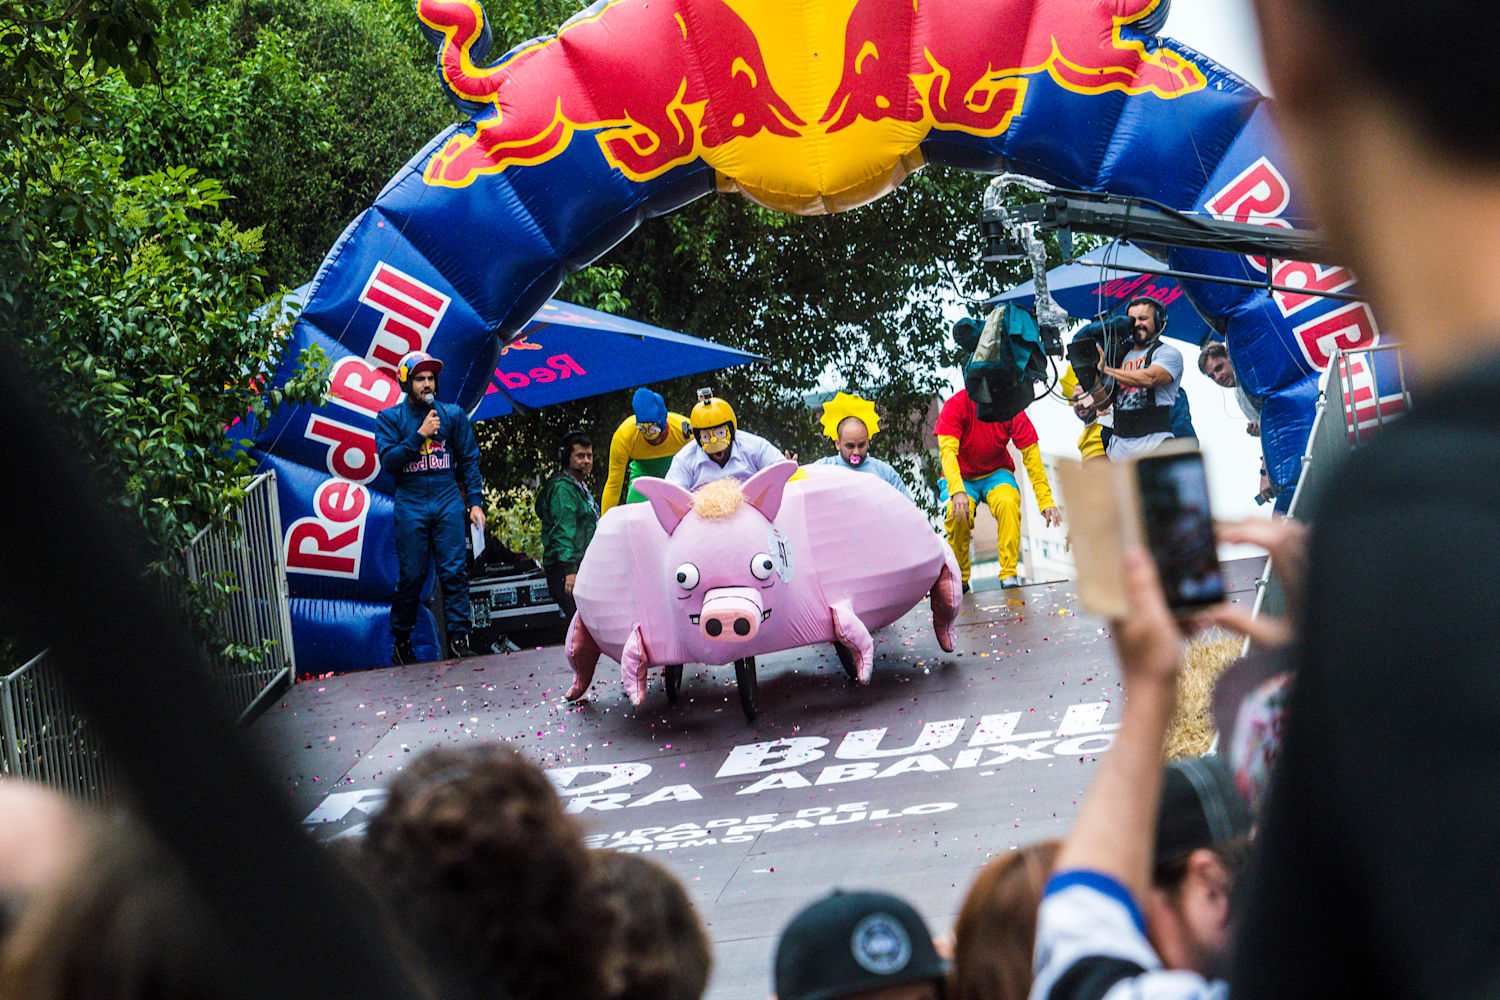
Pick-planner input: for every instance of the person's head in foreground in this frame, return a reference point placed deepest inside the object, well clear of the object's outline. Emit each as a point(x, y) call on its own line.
point(1396, 162)
point(1202, 838)
point(121, 922)
point(1085, 407)
point(853, 440)
point(650, 411)
point(996, 930)
point(40, 830)
point(851, 421)
point(713, 423)
point(418, 374)
point(576, 454)
point(490, 876)
point(1147, 317)
point(667, 954)
point(858, 944)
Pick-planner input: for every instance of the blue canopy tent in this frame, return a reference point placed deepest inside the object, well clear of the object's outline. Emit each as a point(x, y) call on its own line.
point(569, 352)
point(1100, 283)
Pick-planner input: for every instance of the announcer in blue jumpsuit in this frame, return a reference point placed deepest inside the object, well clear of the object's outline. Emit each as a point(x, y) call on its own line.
point(429, 447)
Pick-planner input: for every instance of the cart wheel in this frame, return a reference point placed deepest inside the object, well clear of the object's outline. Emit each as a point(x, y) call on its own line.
point(847, 659)
point(744, 674)
point(672, 674)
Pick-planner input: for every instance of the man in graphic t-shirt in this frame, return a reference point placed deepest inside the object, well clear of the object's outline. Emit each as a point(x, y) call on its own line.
point(1149, 379)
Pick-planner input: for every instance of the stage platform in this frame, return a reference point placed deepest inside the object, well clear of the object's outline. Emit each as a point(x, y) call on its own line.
point(908, 784)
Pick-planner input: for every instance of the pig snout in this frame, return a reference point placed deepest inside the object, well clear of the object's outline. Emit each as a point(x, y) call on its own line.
point(731, 614)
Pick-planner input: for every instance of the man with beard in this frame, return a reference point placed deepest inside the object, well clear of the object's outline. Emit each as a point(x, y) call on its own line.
point(429, 447)
point(1149, 378)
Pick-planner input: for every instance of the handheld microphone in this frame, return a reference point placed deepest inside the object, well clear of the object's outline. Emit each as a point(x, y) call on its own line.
point(427, 398)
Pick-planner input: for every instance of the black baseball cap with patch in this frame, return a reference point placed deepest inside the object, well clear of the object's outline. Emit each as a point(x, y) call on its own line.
point(852, 942)
point(1200, 807)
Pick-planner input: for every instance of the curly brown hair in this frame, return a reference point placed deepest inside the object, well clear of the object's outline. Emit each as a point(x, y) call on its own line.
point(667, 951)
point(490, 876)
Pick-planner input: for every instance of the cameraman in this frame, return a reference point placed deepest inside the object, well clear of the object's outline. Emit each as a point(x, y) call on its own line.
point(1149, 378)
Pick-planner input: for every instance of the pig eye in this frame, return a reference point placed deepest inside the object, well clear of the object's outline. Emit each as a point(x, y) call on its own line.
point(761, 566)
point(687, 576)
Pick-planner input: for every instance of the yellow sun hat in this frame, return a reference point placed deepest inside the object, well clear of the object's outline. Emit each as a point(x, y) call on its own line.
point(842, 406)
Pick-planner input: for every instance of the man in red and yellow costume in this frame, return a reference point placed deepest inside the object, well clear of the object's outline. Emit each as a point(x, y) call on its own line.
point(977, 469)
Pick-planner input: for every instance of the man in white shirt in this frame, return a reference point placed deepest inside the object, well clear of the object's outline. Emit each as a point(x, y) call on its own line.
point(724, 451)
point(1149, 378)
point(1138, 902)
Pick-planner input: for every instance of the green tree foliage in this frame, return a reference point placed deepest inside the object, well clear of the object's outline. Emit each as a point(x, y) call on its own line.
point(302, 110)
point(854, 300)
point(127, 293)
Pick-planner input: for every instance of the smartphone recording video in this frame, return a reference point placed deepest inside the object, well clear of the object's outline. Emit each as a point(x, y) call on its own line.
point(1179, 529)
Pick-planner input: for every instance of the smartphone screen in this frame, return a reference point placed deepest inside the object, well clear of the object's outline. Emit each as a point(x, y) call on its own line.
point(1179, 528)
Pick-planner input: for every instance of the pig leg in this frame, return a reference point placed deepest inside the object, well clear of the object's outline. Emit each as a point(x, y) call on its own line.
point(583, 654)
point(634, 664)
point(851, 633)
point(947, 597)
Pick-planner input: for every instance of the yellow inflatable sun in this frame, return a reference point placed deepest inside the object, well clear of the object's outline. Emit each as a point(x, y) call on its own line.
point(844, 405)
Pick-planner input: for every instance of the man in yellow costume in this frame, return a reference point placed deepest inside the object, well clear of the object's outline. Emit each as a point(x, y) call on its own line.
point(978, 469)
point(644, 445)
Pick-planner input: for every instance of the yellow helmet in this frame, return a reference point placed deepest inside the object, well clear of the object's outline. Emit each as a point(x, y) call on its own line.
point(709, 414)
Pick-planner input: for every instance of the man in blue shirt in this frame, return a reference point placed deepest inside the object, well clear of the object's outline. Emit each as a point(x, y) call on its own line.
point(429, 448)
point(851, 421)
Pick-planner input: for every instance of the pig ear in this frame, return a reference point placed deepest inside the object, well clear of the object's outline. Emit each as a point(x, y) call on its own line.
point(764, 489)
point(669, 501)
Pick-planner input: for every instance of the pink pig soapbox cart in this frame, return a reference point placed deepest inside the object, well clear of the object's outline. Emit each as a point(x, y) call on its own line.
point(735, 570)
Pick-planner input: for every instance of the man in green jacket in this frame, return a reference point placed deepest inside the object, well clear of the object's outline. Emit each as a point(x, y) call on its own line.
point(568, 513)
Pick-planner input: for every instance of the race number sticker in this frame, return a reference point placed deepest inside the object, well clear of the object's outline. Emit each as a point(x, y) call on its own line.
point(781, 554)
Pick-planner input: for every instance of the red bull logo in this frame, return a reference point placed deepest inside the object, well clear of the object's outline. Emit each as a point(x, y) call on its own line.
point(1260, 194)
point(1140, 286)
point(519, 344)
point(410, 313)
point(855, 85)
point(924, 61)
point(558, 366)
point(663, 84)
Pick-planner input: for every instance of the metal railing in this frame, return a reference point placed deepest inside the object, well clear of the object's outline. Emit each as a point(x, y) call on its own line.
point(42, 735)
point(46, 738)
point(246, 552)
point(1352, 409)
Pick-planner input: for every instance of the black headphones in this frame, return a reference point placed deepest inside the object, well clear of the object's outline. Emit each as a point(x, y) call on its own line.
point(565, 446)
point(1158, 311)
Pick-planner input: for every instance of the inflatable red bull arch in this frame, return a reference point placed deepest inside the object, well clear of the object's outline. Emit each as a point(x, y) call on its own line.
point(636, 107)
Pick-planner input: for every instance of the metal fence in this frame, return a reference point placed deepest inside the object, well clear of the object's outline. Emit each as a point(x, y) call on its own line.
point(246, 553)
point(1353, 407)
point(42, 735)
point(45, 737)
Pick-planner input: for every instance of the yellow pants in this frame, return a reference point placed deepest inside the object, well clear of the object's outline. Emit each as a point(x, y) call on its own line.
point(1004, 501)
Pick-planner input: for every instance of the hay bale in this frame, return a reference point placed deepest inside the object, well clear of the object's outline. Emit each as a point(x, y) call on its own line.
point(1191, 732)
